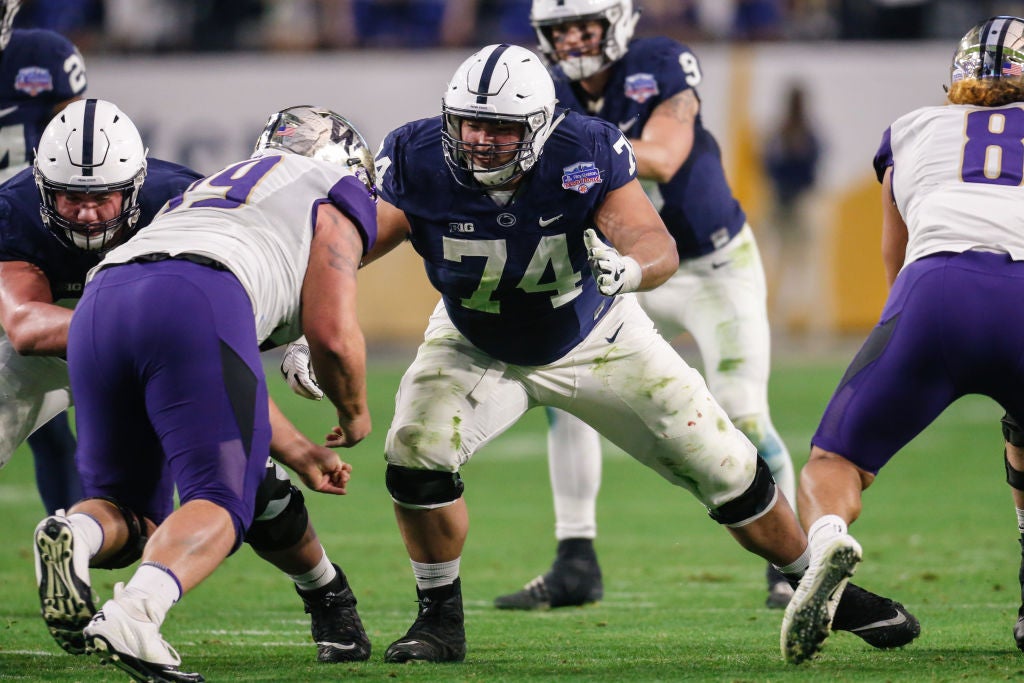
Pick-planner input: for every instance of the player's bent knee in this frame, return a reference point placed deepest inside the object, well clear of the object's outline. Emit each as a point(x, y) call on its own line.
point(423, 489)
point(758, 499)
point(281, 518)
point(1014, 435)
point(138, 534)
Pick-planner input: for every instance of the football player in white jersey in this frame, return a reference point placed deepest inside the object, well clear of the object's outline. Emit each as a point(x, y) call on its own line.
point(648, 88)
point(953, 249)
point(163, 355)
point(537, 311)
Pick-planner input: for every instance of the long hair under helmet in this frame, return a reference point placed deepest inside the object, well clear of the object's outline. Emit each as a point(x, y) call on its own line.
point(988, 64)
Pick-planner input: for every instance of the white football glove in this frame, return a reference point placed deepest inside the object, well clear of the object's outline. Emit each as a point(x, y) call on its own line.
point(614, 273)
point(298, 370)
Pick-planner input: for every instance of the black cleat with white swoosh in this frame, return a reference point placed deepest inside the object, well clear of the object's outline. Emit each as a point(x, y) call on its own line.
point(880, 622)
point(335, 624)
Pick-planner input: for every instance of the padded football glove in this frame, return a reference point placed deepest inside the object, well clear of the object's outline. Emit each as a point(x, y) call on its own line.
point(614, 273)
point(298, 371)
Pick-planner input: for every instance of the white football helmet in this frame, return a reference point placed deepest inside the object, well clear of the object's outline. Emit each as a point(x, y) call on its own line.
point(92, 147)
point(501, 84)
point(8, 8)
point(617, 17)
point(988, 56)
point(322, 134)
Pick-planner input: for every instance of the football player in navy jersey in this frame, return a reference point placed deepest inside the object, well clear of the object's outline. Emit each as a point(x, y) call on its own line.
point(534, 229)
point(647, 88)
point(41, 72)
point(44, 257)
point(953, 251)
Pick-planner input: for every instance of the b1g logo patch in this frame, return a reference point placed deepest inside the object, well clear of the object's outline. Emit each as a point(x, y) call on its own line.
point(641, 87)
point(33, 80)
point(581, 176)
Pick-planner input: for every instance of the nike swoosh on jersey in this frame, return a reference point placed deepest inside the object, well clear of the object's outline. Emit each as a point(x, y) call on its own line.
point(545, 222)
point(624, 126)
point(615, 335)
point(720, 264)
point(8, 110)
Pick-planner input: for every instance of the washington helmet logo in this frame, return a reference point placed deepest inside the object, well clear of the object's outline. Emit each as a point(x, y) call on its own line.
point(581, 176)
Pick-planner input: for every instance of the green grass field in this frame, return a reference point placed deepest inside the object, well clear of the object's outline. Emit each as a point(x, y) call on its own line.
point(682, 600)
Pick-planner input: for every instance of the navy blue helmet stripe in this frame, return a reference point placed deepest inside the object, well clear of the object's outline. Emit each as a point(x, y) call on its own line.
point(1002, 25)
point(488, 72)
point(88, 138)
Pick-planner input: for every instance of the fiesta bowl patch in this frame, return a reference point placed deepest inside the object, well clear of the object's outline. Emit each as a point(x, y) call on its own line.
point(581, 176)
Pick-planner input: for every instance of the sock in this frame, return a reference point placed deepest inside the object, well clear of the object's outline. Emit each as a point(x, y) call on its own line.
point(825, 527)
point(433, 575)
point(1020, 521)
point(156, 587)
point(796, 568)
point(574, 466)
point(317, 577)
point(88, 531)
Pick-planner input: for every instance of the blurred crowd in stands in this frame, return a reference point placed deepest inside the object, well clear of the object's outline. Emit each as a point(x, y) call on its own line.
point(226, 25)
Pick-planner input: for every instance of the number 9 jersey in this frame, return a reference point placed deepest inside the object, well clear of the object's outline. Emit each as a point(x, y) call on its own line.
point(956, 178)
point(514, 278)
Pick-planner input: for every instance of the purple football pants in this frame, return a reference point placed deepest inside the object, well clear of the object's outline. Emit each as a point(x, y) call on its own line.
point(169, 389)
point(953, 325)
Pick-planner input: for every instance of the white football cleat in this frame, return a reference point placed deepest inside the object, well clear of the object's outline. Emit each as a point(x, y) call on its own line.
point(123, 633)
point(808, 618)
point(66, 600)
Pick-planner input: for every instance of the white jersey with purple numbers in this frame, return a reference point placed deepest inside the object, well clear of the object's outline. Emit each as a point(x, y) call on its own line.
point(957, 173)
point(256, 218)
point(513, 278)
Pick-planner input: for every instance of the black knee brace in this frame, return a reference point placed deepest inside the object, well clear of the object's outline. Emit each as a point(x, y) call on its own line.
point(138, 534)
point(423, 488)
point(758, 497)
point(1014, 435)
point(281, 516)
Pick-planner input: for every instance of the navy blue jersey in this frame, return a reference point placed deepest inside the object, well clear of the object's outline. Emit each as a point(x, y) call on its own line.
point(39, 69)
point(23, 237)
point(700, 210)
point(514, 278)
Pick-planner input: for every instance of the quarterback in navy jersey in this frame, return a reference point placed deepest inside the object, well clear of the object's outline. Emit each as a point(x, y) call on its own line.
point(953, 251)
point(41, 72)
point(56, 223)
point(647, 88)
point(535, 231)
